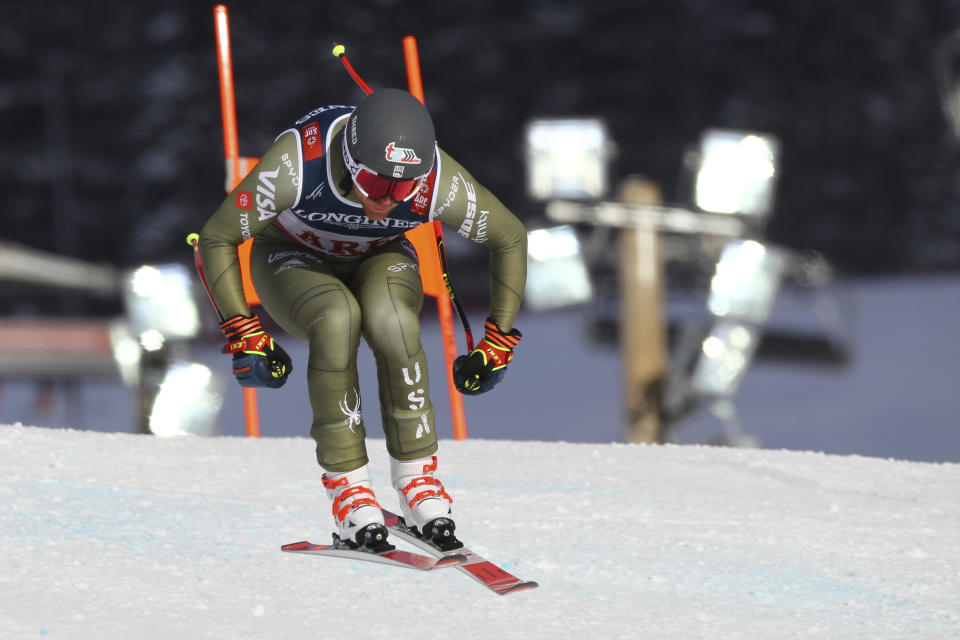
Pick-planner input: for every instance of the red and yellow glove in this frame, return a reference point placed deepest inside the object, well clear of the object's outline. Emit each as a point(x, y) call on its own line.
point(258, 361)
point(484, 367)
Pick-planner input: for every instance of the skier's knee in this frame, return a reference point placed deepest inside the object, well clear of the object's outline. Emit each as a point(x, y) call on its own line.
point(334, 337)
point(393, 330)
point(329, 308)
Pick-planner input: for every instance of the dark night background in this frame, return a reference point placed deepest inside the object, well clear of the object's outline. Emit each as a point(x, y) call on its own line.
point(111, 144)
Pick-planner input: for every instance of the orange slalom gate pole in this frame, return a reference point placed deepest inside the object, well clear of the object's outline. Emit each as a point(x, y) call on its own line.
point(231, 154)
point(228, 110)
point(431, 269)
point(412, 58)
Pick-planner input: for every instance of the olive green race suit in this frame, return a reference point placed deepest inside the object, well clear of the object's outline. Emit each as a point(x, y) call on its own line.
point(315, 290)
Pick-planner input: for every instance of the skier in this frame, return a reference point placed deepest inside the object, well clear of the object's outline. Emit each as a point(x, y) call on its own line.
point(328, 204)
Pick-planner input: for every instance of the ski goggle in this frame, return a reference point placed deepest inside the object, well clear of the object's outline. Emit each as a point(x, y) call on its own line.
point(375, 186)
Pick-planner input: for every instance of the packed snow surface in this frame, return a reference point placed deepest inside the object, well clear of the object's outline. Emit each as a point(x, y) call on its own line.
point(128, 536)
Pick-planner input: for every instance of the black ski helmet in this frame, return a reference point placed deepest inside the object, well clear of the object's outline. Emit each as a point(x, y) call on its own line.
point(392, 133)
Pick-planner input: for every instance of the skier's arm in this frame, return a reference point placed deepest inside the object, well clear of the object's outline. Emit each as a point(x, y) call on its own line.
point(253, 205)
point(475, 213)
point(468, 208)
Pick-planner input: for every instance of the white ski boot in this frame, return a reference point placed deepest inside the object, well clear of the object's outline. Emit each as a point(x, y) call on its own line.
point(356, 510)
point(424, 501)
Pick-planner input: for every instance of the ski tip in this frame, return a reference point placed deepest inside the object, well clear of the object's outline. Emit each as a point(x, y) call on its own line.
point(521, 586)
point(298, 546)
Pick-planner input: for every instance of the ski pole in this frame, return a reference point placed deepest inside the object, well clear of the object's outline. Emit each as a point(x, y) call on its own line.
point(193, 240)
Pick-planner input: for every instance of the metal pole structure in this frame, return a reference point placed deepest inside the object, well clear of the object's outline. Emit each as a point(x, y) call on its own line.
point(643, 336)
point(428, 238)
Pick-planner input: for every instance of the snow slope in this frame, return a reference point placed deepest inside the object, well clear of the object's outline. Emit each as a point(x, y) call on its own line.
point(127, 536)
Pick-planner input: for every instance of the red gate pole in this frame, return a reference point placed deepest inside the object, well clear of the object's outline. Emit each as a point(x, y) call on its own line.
point(231, 154)
point(429, 244)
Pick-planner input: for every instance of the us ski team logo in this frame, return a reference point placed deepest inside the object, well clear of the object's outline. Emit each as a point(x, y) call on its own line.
point(401, 154)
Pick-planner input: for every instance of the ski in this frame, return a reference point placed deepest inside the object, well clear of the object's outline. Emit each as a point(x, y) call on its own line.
point(396, 558)
point(477, 567)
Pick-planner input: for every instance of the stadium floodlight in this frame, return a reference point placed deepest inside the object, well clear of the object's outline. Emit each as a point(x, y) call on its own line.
point(746, 279)
point(737, 172)
point(187, 402)
point(742, 294)
point(556, 273)
point(567, 158)
point(726, 354)
point(161, 305)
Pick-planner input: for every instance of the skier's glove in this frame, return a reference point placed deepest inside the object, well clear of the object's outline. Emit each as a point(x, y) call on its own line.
point(258, 361)
point(484, 367)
